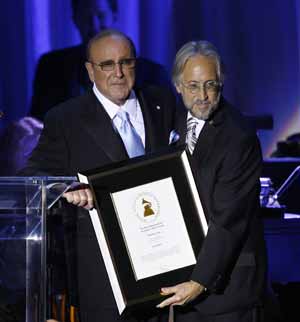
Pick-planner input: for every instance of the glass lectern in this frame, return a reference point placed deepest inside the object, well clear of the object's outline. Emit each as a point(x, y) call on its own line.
point(24, 203)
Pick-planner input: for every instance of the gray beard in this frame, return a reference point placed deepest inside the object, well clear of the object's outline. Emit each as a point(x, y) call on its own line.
point(205, 115)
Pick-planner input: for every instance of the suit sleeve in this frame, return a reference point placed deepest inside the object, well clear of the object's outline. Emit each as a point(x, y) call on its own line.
point(234, 205)
point(50, 157)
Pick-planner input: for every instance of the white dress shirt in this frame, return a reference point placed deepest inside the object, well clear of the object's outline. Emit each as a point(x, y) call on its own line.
point(131, 106)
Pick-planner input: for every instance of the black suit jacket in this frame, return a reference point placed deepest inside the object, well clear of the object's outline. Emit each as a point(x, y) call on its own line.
point(78, 135)
point(227, 164)
point(61, 75)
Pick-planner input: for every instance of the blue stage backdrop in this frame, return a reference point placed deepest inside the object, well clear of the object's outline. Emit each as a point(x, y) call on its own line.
point(259, 41)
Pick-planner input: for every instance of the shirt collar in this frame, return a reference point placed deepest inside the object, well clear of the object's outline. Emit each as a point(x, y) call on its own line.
point(189, 115)
point(112, 109)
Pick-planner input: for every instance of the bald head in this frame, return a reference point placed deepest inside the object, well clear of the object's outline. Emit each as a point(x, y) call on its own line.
point(111, 66)
point(110, 33)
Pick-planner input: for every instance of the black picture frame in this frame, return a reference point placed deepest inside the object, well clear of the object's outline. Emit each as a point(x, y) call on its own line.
point(174, 162)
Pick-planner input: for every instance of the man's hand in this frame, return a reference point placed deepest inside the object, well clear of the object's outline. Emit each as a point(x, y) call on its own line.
point(183, 293)
point(81, 197)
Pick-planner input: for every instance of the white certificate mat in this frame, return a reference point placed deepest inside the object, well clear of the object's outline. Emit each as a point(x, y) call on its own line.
point(153, 228)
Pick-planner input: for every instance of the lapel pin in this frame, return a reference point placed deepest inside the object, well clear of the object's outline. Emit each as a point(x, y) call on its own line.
point(157, 107)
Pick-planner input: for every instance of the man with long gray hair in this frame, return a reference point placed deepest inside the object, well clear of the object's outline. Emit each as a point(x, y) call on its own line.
point(228, 280)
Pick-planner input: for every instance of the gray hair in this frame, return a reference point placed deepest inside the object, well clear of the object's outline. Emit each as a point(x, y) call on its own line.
point(191, 49)
point(108, 33)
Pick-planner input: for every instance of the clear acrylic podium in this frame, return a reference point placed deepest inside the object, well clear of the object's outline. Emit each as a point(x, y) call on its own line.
point(24, 204)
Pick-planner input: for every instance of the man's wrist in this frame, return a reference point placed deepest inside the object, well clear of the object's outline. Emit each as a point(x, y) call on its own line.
point(203, 288)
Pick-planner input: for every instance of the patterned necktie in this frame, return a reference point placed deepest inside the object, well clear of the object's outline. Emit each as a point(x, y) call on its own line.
point(132, 141)
point(191, 136)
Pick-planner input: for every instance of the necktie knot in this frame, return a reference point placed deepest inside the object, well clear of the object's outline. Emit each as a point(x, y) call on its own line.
point(123, 115)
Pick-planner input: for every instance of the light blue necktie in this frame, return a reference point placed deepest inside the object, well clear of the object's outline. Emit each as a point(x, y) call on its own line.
point(132, 141)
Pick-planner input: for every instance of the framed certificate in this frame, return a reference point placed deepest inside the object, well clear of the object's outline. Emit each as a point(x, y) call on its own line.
point(149, 224)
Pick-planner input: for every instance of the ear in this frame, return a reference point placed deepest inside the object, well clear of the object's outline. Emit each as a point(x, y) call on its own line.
point(178, 88)
point(221, 88)
point(90, 71)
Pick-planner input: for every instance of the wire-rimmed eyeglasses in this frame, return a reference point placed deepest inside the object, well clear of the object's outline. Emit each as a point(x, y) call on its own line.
point(207, 86)
point(110, 65)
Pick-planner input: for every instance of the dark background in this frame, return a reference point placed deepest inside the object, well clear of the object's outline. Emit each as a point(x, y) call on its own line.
point(258, 40)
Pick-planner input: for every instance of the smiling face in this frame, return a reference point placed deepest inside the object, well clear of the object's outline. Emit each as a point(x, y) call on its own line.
point(199, 96)
point(117, 83)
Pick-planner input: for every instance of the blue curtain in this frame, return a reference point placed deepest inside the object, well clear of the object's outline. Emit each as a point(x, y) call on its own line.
point(258, 40)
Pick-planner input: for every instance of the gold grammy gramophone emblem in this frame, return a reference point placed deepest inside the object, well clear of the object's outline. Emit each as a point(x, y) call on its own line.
point(146, 207)
point(148, 211)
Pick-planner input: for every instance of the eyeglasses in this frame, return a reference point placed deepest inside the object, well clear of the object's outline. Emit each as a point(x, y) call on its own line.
point(110, 65)
point(208, 86)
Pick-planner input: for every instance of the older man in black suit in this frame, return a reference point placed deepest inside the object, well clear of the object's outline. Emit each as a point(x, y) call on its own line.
point(229, 278)
point(85, 132)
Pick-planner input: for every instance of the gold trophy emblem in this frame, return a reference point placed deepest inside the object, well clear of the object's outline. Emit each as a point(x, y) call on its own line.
point(148, 211)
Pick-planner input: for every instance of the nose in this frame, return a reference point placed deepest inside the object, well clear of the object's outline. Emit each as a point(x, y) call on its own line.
point(119, 70)
point(202, 93)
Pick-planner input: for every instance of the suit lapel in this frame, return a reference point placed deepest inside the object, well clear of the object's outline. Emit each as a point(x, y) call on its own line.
point(147, 105)
point(98, 125)
point(180, 126)
point(205, 141)
point(209, 133)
